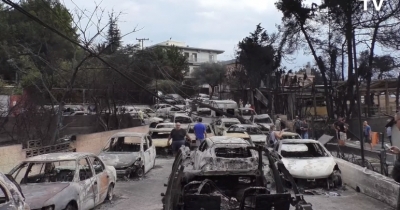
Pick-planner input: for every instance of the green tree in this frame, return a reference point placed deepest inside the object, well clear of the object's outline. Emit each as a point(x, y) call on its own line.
point(257, 55)
point(211, 74)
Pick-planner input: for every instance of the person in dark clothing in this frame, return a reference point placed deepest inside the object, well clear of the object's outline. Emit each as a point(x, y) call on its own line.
point(341, 130)
point(178, 138)
point(297, 125)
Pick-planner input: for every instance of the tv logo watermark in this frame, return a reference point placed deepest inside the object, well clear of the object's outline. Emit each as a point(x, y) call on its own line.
point(376, 5)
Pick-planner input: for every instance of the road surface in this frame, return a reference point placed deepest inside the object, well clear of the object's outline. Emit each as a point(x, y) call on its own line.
point(145, 194)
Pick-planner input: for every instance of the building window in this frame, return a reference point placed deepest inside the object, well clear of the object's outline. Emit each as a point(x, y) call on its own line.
point(194, 57)
point(187, 55)
point(211, 57)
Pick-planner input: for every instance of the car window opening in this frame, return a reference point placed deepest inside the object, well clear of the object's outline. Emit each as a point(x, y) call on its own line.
point(304, 150)
point(43, 172)
point(263, 120)
point(125, 144)
point(182, 120)
point(232, 152)
point(159, 135)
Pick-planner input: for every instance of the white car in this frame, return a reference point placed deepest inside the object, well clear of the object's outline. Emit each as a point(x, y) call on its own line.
point(183, 119)
point(167, 127)
point(132, 154)
point(11, 196)
point(262, 120)
point(223, 124)
point(253, 131)
point(70, 180)
point(192, 135)
point(246, 113)
point(308, 161)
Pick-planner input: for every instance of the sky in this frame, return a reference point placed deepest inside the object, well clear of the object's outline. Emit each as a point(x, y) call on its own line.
point(215, 24)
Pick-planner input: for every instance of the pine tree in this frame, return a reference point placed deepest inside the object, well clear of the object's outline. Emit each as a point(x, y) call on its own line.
point(113, 36)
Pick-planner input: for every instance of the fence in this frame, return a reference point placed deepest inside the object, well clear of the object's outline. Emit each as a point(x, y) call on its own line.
point(35, 148)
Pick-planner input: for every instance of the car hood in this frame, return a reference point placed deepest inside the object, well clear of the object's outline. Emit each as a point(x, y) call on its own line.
point(237, 135)
point(36, 195)
point(258, 138)
point(310, 168)
point(119, 159)
point(267, 125)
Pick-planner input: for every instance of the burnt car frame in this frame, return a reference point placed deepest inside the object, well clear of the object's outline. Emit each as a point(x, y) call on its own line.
point(11, 196)
point(65, 181)
point(132, 154)
point(221, 189)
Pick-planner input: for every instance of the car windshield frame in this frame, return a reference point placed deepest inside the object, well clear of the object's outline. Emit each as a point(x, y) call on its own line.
point(45, 172)
point(258, 131)
point(314, 150)
point(262, 120)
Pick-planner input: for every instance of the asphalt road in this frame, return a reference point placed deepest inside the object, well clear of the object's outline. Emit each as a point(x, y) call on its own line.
point(145, 194)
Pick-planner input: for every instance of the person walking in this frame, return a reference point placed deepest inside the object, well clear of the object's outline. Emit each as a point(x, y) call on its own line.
point(278, 123)
point(178, 138)
point(396, 150)
point(274, 136)
point(297, 125)
point(200, 130)
point(389, 133)
point(367, 134)
point(241, 103)
point(340, 128)
point(304, 129)
point(141, 113)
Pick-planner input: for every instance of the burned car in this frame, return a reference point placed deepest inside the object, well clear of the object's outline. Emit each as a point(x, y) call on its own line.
point(132, 154)
point(251, 133)
point(309, 162)
point(236, 181)
point(225, 153)
point(65, 181)
point(11, 196)
point(223, 124)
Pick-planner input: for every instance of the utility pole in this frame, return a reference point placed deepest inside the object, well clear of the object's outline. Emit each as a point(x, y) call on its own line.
point(141, 41)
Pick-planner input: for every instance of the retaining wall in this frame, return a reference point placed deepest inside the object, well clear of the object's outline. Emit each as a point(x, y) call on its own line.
point(369, 182)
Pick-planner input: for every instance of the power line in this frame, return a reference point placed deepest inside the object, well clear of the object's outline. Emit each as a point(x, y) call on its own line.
point(142, 40)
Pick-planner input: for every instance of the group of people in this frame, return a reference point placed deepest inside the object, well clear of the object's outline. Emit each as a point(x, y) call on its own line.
point(248, 105)
point(301, 127)
point(341, 128)
point(179, 134)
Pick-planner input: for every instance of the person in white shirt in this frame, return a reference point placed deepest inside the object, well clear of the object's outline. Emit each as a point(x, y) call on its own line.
point(278, 123)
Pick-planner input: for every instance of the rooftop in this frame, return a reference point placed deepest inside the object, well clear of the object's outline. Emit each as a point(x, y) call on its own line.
point(182, 45)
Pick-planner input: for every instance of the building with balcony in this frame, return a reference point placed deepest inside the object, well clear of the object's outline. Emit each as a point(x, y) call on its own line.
point(195, 55)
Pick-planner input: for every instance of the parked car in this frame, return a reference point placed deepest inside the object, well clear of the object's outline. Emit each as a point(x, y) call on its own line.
point(183, 119)
point(223, 124)
point(247, 132)
point(246, 113)
point(70, 180)
point(79, 113)
point(11, 196)
point(309, 162)
point(190, 131)
point(163, 126)
point(223, 153)
point(290, 135)
point(262, 119)
point(130, 153)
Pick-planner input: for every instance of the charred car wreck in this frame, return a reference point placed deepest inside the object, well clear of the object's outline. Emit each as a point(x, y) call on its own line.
point(227, 184)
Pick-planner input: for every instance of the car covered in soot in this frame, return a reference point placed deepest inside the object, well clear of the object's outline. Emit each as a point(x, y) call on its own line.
point(11, 196)
point(222, 124)
point(192, 135)
point(222, 153)
point(132, 154)
point(68, 180)
point(309, 162)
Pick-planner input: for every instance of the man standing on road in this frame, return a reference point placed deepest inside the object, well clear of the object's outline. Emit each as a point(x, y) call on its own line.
point(389, 133)
point(297, 125)
point(304, 129)
point(178, 138)
point(367, 134)
point(241, 103)
point(278, 123)
point(140, 113)
point(200, 131)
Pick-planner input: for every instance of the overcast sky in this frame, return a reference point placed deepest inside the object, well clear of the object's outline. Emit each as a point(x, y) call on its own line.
point(215, 24)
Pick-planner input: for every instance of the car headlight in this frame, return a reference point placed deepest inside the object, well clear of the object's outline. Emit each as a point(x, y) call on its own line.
point(48, 207)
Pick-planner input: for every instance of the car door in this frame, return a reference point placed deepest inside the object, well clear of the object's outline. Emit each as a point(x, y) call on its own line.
point(88, 184)
point(152, 150)
point(102, 178)
point(146, 155)
point(199, 154)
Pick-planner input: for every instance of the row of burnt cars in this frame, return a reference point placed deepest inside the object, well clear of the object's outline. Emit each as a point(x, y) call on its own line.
point(232, 170)
point(76, 180)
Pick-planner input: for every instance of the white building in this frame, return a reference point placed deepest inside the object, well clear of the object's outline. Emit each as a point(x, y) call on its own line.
point(195, 55)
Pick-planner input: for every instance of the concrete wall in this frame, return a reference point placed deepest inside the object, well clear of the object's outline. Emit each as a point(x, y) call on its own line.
point(12, 155)
point(369, 182)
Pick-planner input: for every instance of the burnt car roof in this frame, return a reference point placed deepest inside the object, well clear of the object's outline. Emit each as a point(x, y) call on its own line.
point(230, 120)
point(246, 125)
point(61, 156)
point(300, 141)
point(133, 134)
point(227, 140)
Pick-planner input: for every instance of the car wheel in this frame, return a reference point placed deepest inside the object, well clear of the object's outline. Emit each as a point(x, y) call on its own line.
point(110, 192)
point(71, 207)
point(140, 172)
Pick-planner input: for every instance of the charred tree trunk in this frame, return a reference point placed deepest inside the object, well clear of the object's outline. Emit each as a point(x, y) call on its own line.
point(369, 74)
